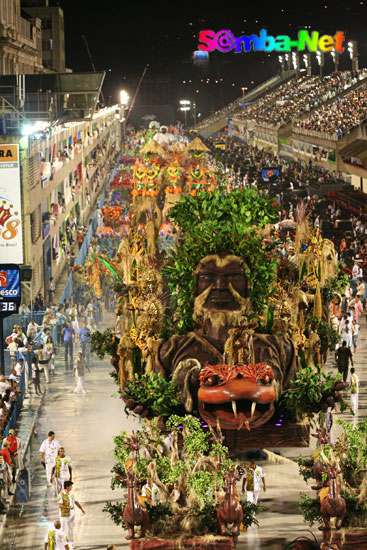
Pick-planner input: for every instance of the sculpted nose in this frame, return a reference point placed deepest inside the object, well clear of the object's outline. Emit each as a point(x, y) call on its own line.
point(220, 282)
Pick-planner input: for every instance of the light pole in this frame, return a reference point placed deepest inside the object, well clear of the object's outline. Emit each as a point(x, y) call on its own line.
point(307, 62)
point(335, 56)
point(353, 54)
point(282, 62)
point(295, 61)
point(185, 106)
point(320, 61)
point(124, 100)
point(287, 58)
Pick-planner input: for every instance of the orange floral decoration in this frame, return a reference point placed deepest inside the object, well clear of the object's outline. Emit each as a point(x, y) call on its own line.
point(226, 373)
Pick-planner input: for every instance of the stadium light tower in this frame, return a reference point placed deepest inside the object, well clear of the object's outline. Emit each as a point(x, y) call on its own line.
point(287, 58)
point(307, 62)
point(335, 56)
point(295, 61)
point(320, 61)
point(282, 62)
point(124, 100)
point(185, 105)
point(353, 54)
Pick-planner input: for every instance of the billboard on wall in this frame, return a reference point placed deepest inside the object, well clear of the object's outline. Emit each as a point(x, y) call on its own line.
point(11, 233)
point(9, 289)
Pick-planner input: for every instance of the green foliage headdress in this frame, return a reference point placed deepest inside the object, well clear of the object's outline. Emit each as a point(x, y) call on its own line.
point(214, 223)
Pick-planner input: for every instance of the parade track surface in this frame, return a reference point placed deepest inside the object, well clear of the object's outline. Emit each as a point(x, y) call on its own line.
point(85, 426)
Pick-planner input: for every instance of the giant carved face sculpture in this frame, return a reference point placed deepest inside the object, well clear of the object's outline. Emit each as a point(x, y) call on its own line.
point(222, 275)
point(222, 291)
point(239, 394)
point(224, 370)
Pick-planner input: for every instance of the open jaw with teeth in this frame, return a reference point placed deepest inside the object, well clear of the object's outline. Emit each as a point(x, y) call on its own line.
point(239, 396)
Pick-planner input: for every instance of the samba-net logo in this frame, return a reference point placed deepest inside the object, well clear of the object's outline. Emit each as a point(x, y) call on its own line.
point(225, 41)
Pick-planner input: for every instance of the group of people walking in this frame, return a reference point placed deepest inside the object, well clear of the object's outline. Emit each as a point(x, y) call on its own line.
point(59, 469)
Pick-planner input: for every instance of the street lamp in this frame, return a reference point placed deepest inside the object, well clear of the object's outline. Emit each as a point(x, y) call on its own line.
point(244, 88)
point(124, 100)
point(185, 106)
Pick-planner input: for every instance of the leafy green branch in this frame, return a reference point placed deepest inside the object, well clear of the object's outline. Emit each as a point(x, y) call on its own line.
point(104, 343)
point(154, 393)
point(310, 389)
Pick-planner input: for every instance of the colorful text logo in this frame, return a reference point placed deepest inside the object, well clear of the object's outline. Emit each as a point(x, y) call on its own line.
point(225, 41)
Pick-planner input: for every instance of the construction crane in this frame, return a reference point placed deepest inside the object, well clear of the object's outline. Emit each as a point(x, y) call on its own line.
point(91, 61)
point(136, 92)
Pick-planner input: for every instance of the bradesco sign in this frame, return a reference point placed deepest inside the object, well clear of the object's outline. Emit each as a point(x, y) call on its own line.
point(9, 290)
point(11, 235)
point(9, 282)
point(225, 41)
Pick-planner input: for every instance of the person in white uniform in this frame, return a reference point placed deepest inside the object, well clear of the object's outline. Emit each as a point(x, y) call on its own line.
point(56, 538)
point(254, 475)
point(354, 390)
point(62, 470)
point(164, 138)
point(150, 491)
point(67, 502)
point(79, 373)
point(49, 450)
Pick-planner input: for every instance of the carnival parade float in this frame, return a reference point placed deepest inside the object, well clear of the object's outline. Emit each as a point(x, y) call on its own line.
point(219, 346)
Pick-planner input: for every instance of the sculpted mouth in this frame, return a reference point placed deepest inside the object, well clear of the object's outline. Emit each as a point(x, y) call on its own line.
point(237, 414)
point(239, 397)
point(220, 298)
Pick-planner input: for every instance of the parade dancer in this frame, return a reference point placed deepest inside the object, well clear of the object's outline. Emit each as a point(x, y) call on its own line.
point(56, 538)
point(79, 370)
point(67, 502)
point(354, 390)
point(49, 450)
point(62, 470)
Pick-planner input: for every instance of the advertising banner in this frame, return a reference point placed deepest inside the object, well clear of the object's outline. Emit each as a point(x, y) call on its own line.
point(11, 233)
point(270, 174)
point(9, 289)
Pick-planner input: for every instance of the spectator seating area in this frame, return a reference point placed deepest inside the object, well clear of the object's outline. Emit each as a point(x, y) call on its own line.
point(299, 96)
point(336, 119)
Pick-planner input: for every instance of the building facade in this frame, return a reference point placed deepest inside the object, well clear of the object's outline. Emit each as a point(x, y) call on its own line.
point(53, 36)
point(32, 38)
point(20, 40)
point(62, 173)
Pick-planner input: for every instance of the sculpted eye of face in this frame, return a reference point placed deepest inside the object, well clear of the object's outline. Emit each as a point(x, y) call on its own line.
point(220, 277)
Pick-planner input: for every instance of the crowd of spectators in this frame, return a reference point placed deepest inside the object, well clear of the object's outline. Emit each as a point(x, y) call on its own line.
point(245, 165)
point(337, 119)
point(225, 111)
point(299, 96)
point(292, 180)
point(9, 394)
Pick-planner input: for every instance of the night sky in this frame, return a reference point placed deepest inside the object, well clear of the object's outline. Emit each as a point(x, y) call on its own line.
point(123, 38)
